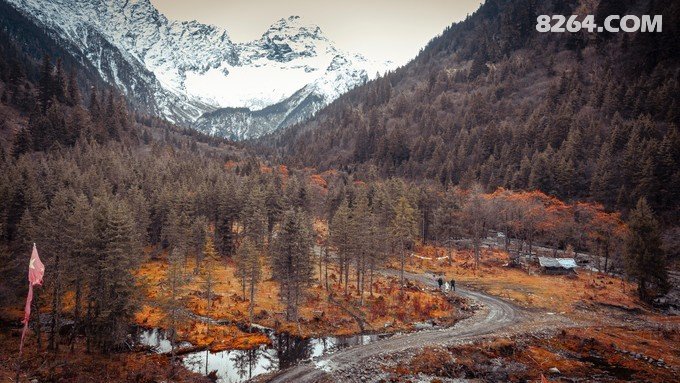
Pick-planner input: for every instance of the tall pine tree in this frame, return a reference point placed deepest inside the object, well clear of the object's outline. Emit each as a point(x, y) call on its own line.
point(291, 255)
point(645, 260)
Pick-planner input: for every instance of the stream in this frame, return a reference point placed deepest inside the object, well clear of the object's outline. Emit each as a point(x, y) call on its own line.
point(234, 366)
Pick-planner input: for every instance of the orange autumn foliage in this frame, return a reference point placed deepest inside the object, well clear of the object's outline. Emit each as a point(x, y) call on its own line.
point(529, 215)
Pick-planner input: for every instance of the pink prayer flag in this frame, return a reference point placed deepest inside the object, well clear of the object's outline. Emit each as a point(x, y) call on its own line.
point(36, 270)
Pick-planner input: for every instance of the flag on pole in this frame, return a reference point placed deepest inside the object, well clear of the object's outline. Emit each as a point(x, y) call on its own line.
point(36, 270)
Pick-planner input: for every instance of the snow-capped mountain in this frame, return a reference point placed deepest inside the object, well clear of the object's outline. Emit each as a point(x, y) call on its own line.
point(195, 74)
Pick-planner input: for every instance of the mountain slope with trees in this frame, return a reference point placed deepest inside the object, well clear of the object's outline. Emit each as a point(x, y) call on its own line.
point(115, 199)
point(577, 115)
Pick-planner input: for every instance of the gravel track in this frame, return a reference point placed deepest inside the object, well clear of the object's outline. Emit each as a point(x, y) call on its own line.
point(495, 315)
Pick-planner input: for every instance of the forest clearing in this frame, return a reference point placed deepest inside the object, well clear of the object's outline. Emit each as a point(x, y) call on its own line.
point(382, 311)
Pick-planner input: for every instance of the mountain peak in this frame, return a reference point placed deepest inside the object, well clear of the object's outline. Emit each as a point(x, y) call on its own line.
point(133, 2)
point(295, 28)
point(190, 68)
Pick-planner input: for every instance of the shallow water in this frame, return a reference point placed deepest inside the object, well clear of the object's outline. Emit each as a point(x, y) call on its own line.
point(233, 366)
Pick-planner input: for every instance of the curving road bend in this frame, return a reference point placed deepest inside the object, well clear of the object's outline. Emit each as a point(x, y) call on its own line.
point(495, 315)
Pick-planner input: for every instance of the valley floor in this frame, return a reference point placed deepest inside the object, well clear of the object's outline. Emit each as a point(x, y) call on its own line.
point(582, 328)
point(225, 324)
point(511, 325)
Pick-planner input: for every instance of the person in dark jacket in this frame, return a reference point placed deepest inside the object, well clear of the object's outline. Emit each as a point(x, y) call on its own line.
point(453, 285)
point(440, 282)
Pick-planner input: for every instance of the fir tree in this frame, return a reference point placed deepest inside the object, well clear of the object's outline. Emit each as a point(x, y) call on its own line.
point(73, 97)
point(113, 288)
point(645, 260)
point(403, 230)
point(22, 143)
point(254, 217)
point(79, 232)
point(55, 250)
point(59, 83)
point(342, 235)
point(291, 255)
point(228, 212)
point(249, 270)
point(173, 302)
point(46, 83)
point(475, 217)
point(209, 258)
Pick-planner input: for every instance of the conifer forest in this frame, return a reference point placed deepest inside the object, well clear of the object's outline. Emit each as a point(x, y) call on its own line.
point(504, 207)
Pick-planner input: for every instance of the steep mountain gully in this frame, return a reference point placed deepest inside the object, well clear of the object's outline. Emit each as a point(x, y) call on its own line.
point(495, 318)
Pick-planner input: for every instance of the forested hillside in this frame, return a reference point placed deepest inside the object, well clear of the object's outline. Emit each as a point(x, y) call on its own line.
point(71, 178)
point(495, 146)
point(576, 115)
point(103, 192)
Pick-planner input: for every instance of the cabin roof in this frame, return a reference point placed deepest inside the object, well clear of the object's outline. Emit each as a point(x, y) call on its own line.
point(559, 263)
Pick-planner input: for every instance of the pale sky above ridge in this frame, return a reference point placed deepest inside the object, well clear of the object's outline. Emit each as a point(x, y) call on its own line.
point(379, 29)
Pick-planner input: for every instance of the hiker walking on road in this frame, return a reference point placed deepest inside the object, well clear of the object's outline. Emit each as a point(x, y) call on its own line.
point(440, 282)
point(453, 285)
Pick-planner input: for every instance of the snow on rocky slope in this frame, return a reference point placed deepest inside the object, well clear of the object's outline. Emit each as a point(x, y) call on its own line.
point(202, 78)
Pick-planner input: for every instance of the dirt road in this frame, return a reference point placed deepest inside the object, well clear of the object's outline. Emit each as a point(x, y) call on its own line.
point(495, 315)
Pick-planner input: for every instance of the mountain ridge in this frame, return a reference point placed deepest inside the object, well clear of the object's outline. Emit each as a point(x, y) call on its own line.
point(196, 68)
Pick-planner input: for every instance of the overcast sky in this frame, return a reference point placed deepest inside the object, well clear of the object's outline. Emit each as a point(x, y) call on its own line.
point(379, 29)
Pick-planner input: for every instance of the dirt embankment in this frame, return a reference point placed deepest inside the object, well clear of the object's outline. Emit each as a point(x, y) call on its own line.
point(606, 354)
